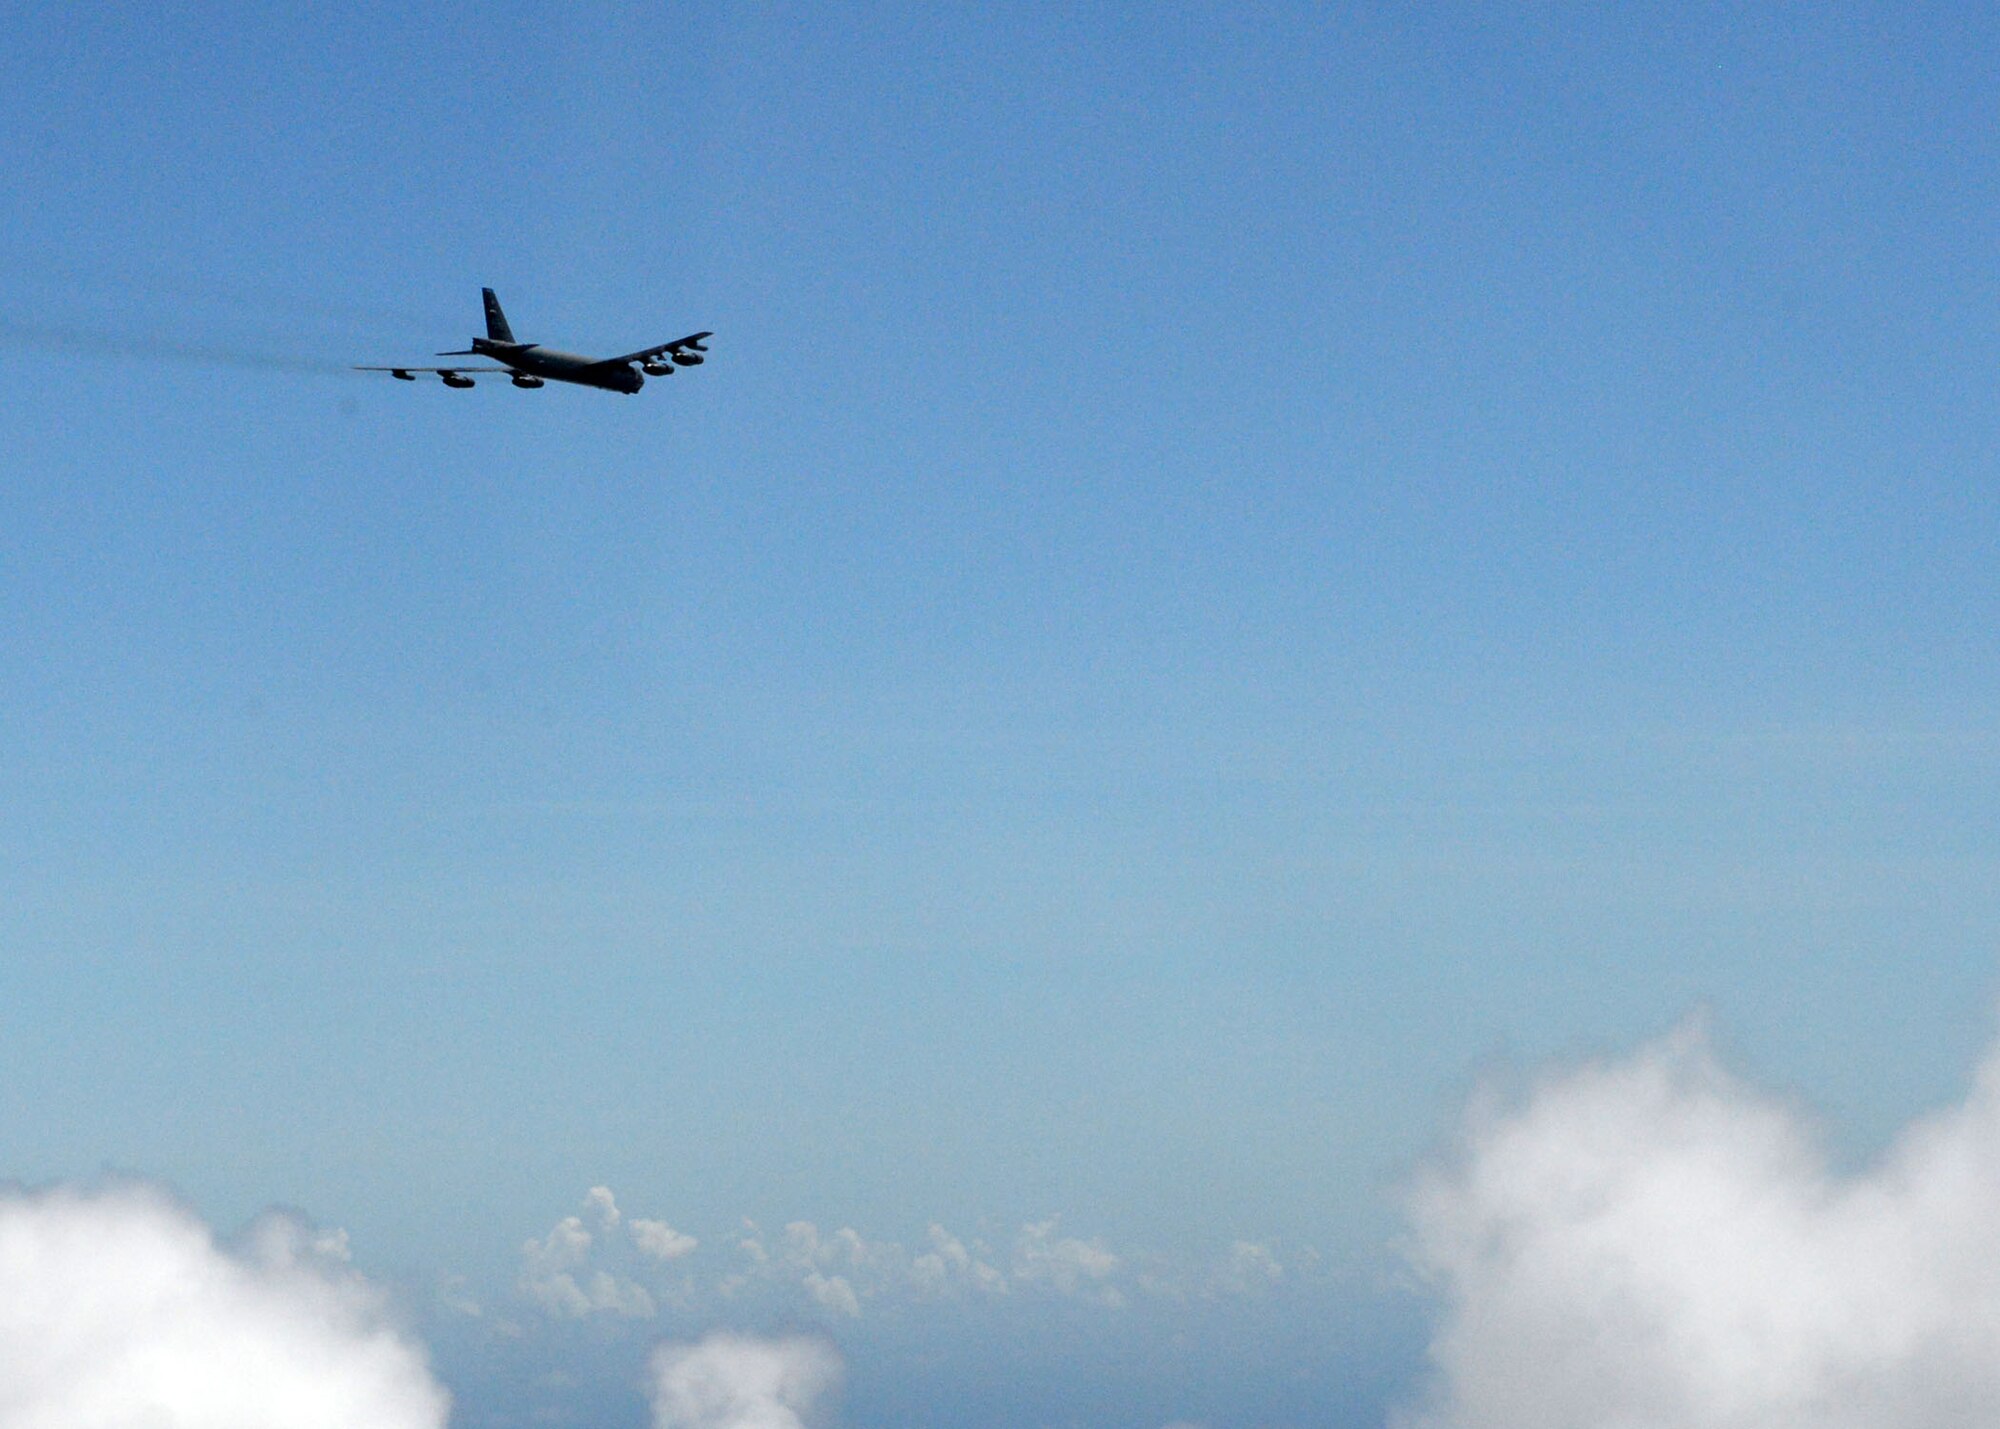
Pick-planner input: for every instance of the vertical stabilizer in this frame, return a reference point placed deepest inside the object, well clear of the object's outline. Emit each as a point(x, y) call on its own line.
point(496, 321)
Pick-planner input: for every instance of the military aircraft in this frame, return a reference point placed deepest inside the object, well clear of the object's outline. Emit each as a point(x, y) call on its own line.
point(529, 364)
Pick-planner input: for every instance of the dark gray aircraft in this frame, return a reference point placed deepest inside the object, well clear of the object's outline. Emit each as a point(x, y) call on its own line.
point(530, 364)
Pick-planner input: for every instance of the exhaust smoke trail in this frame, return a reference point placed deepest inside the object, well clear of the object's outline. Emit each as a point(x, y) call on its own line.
point(46, 337)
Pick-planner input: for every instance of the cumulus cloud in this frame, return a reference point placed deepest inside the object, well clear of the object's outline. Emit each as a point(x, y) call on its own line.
point(601, 1261)
point(118, 1308)
point(833, 1292)
point(1248, 1268)
point(1653, 1244)
point(842, 1271)
point(950, 1263)
point(1066, 1264)
point(566, 1272)
point(836, 1271)
point(741, 1382)
point(602, 1206)
point(555, 1274)
point(661, 1241)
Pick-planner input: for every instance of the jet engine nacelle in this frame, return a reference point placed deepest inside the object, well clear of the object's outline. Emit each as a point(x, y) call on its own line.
point(401, 376)
point(656, 367)
point(455, 379)
point(688, 359)
point(522, 379)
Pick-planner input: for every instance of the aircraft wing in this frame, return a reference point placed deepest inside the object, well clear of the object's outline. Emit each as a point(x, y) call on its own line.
point(690, 343)
point(433, 369)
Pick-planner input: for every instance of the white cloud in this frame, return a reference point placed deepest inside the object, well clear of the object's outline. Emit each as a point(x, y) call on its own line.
point(117, 1309)
point(950, 1263)
point(602, 1261)
point(844, 1272)
point(836, 1271)
point(548, 1268)
point(1065, 1263)
point(285, 1241)
point(834, 1292)
point(602, 1206)
point(1248, 1268)
point(1652, 1244)
point(739, 1382)
point(555, 1271)
point(616, 1295)
point(1245, 1270)
point(660, 1240)
point(566, 1247)
point(803, 1245)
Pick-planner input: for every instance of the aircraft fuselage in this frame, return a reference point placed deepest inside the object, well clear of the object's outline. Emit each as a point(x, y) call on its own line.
point(538, 361)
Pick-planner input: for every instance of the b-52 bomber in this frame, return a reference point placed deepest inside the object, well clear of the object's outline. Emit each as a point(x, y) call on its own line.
point(529, 364)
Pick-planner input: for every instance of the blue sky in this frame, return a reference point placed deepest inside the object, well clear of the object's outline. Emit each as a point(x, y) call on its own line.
point(1228, 570)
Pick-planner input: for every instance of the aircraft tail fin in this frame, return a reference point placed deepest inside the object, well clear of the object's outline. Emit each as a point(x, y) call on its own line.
point(496, 321)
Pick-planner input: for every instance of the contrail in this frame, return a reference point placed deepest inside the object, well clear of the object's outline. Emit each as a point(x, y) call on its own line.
point(97, 344)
